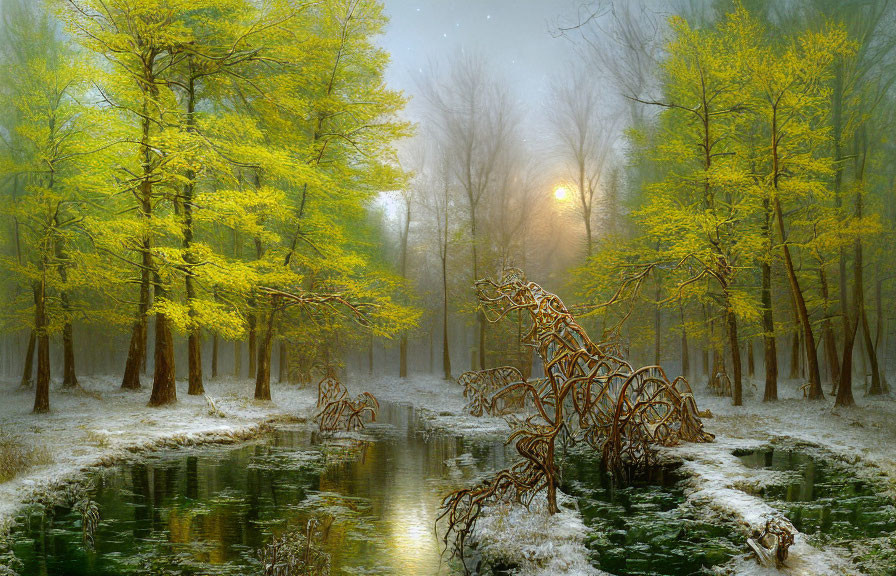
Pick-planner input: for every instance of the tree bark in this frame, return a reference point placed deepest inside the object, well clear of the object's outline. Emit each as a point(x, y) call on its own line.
point(815, 391)
point(751, 360)
point(42, 388)
point(830, 341)
point(657, 325)
point(238, 359)
point(164, 388)
point(735, 354)
point(283, 364)
point(137, 349)
point(28, 372)
point(446, 352)
point(69, 377)
point(685, 356)
point(253, 349)
point(194, 341)
point(403, 342)
point(768, 322)
point(876, 386)
point(263, 372)
point(403, 356)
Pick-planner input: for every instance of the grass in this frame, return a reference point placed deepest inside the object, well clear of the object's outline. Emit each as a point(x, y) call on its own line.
point(17, 457)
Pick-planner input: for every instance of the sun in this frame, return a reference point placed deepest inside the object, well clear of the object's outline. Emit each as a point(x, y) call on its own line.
point(560, 192)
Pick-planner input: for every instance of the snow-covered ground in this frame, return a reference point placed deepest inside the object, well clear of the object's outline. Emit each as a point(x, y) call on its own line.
point(862, 437)
point(101, 424)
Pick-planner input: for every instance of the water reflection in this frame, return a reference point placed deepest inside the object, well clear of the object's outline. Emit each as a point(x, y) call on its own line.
point(645, 527)
point(821, 498)
point(208, 511)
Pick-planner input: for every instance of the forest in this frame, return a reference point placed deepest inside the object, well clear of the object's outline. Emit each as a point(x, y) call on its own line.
point(308, 287)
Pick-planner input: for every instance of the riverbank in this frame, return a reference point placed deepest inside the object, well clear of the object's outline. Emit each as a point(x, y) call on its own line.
point(862, 438)
point(101, 425)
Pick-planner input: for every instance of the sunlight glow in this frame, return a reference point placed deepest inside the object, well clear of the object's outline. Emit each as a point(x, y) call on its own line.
point(560, 192)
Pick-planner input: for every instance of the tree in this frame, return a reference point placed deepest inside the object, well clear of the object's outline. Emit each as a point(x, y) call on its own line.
point(47, 134)
point(789, 101)
point(144, 41)
point(474, 116)
point(585, 137)
point(697, 214)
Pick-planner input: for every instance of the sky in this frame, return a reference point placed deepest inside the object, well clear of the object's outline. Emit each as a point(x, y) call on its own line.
point(516, 36)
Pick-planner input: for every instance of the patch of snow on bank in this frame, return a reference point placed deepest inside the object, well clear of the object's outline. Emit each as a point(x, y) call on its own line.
point(100, 423)
point(540, 544)
point(441, 401)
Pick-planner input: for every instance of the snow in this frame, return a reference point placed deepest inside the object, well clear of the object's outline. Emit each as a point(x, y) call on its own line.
point(862, 437)
point(538, 543)
point(102, 424)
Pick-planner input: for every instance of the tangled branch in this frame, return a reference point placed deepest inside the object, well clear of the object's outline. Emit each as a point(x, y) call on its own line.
point(589, 393)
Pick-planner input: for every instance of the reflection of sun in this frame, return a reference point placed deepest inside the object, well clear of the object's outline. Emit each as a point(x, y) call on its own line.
point(412, 535)
point(560, 192)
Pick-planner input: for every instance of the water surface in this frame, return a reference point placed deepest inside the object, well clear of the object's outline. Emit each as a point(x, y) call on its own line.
point(646, 527)
point(209, 510)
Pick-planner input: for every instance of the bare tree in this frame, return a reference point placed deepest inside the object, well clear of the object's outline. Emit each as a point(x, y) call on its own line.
point(473, 116)
point(585, 139)
point(435, 193)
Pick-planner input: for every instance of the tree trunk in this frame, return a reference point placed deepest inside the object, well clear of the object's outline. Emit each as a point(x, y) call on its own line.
point(283, 364)
point(253, 349)
point(446, 353)
point(735, 354)
point(42, 389)
point(657, 326)
point(815, 391)
point(685, 356)
point(403, 269)
point(704, 353)
point(871, 350)
point(830, 342)
point(768, 322)
point(751, 360)
point(194, 350)
point(795, 344)
point(370, 356)
point(880, 336)
point(69, 377)
point(164, 386)
point(215, 355)
point(194, 340)
point(844, 392)
point(28, 372)
point(137, 348)
point(263, 372)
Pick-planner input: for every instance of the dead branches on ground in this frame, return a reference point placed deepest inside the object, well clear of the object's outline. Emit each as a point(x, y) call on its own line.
point(337, 412)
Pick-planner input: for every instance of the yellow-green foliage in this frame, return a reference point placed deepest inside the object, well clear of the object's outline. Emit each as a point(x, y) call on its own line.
point(289, 139)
